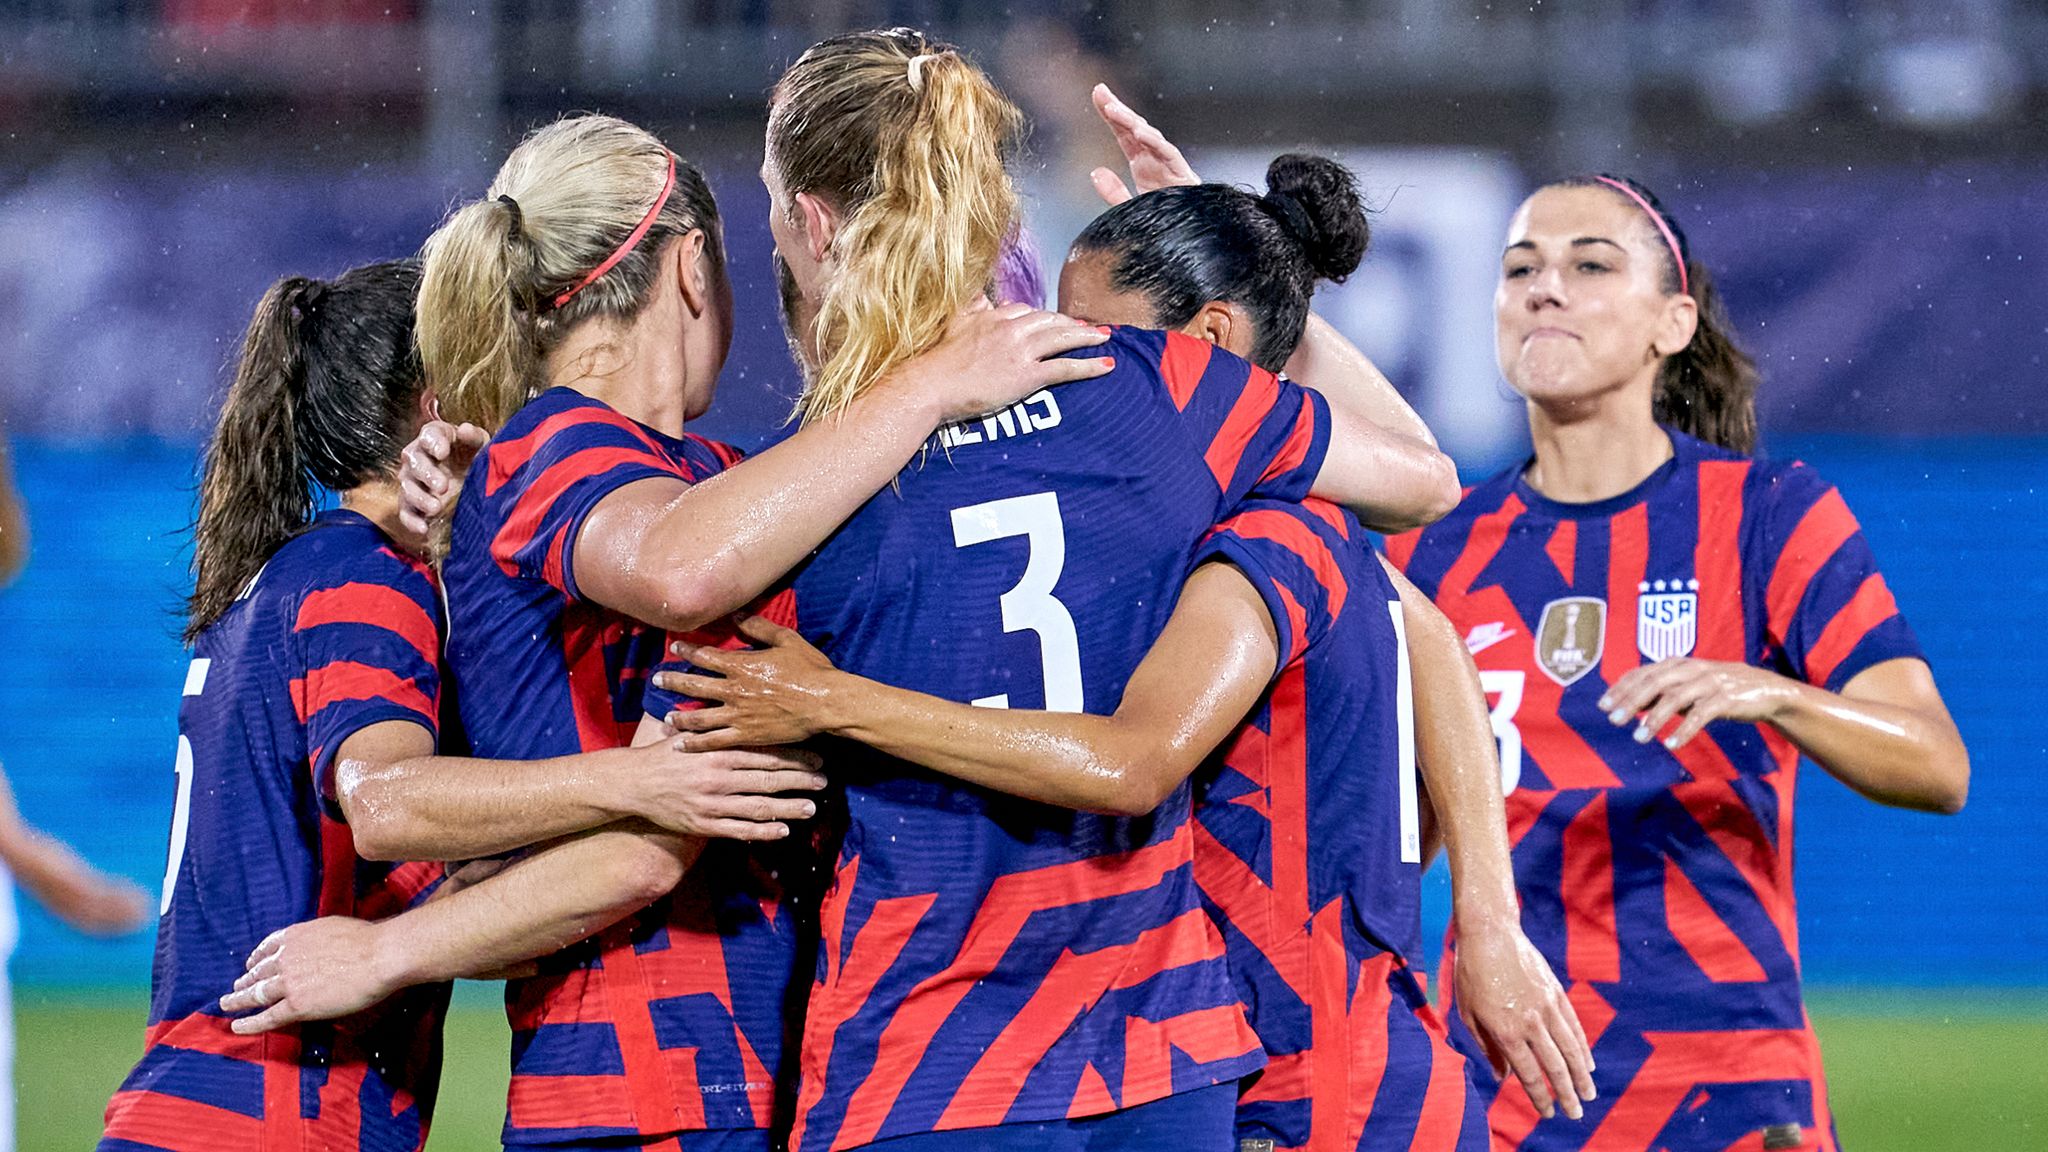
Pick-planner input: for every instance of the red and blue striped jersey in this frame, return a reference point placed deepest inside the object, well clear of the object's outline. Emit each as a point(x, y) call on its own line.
point(1659, 883)
point(340, 631)
point(984, 959)
point(1308, 854)
point(671, 1020)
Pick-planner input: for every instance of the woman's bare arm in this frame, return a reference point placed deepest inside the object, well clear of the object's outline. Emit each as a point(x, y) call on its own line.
point(1207, 670)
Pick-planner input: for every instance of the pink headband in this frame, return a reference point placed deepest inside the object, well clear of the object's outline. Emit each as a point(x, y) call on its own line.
point(668, 184)
point(1656, 218)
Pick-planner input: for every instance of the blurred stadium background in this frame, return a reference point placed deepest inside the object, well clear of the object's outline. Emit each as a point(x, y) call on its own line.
point(1868, 180)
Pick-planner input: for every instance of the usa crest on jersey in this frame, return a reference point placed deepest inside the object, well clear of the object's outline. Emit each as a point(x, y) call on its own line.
point(1667, 618)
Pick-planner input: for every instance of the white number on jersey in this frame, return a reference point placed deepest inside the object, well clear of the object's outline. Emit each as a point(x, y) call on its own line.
point(181, 815)
point(1507, 685)
point(1031, 606)
point(1404, 713)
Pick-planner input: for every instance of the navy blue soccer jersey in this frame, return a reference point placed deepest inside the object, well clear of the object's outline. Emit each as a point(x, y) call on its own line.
point(1658, 883)
point(339, 632)
point(986, 959)
point(672, 1019)
point(1308, 854)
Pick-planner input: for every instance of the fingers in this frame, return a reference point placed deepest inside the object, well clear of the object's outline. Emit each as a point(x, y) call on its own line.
point(471, 437)
point(1063, 336)
point(705, 656)
point(266, 1021)
point(716, 741)
point(267, 949)
point(771, 760)
point(1066, 370)
point(762, 809)
point(744, 830)
point(716, 688)
point(437, 438)
point(261, 994)
point(1530, 1073)
point(1563, 1024)
point(1109, 186)
point(755, 782)
point(1674, 699)
point(1633, 692)
point(1704, 713)
point(1552, 1062)
point(762, 630)
point(685, 720)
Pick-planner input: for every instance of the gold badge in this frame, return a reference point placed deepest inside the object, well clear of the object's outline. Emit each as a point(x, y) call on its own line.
point(1570, 636)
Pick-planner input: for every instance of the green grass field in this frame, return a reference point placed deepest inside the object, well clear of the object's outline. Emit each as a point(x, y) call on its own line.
point(1913, 1072)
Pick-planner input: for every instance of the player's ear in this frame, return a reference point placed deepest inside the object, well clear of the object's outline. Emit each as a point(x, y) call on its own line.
point(429, 406)
point(1226, 325)
point(819, 218)
point(693, 272)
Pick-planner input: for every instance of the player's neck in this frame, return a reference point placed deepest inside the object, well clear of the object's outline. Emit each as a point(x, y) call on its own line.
point(1594, 451)
point(637, 369)
point(378, 501)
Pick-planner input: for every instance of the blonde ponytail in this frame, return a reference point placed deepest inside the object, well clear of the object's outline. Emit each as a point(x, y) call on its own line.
point(912, 141)
point(500, 287)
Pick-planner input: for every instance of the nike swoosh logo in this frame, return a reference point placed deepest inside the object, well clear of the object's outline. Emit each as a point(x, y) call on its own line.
point(1486, 636)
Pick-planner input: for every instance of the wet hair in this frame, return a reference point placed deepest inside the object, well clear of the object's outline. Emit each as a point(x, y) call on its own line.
point(326, 394)
point(911, 141)
point(1708, 388)
point(1186, 246)
point(504, 276)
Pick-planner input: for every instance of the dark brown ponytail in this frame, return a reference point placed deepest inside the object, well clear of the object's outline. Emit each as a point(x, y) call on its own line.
point(323, 396)
point(1707, 389)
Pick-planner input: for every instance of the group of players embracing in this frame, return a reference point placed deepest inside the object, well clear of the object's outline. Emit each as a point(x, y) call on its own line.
point(1029, 749)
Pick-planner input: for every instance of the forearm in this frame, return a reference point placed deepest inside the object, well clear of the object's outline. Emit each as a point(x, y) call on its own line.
point(1460, 765)
point(1894, 755)
point(456, 808)
point(13, 525)
point(1383, 462)
point(1328, 362)
point(561, 894)
point(1072, 760)
point(45, 867)
point(721, 543)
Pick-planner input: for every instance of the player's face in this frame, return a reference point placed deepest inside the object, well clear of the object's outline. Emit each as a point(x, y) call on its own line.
point(1087, 295)
point(1580, 309)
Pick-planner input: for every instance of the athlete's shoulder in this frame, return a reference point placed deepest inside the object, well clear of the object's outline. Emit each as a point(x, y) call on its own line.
point(560, 426)
point(341, 548)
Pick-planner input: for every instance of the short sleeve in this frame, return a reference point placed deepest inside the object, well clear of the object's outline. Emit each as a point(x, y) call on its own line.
point(1829, 612)
point(1259, 436)
point(1290, 553)
point(779, 607)
point(367, 650)
point(551, 478)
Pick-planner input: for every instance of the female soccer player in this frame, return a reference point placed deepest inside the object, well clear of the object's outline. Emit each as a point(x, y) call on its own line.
point(1667, 625)
point(1325, 758)
point(862, 127)
point(316, 644)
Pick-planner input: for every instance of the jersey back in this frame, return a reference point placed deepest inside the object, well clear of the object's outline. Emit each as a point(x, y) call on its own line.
point(1658, 882)
point(340, 631)
point(672, 1019)
point(985, 959)
point(1308, 853)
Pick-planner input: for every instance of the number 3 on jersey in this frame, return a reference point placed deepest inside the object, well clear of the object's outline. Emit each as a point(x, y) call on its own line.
point(1031, 606)
point(1504, 686)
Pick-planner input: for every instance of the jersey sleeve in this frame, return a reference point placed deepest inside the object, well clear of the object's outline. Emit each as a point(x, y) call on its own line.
point(1259, 435)
point(554, 476)
point(1828, 609)
point(778, 606)
point(367, 650)
point(1289, 552)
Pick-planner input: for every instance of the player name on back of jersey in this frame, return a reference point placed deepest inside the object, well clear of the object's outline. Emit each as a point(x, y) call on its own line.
point(1037, 412)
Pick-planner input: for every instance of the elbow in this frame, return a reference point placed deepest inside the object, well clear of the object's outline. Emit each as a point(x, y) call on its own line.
point(1434, 492)
point(375, 820)
point(692, 593)
point(642, 872)
point(1131, 790)
point(1953, 788)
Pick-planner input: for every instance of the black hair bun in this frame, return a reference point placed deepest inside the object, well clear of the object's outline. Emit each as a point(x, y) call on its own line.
point(1316, 200)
